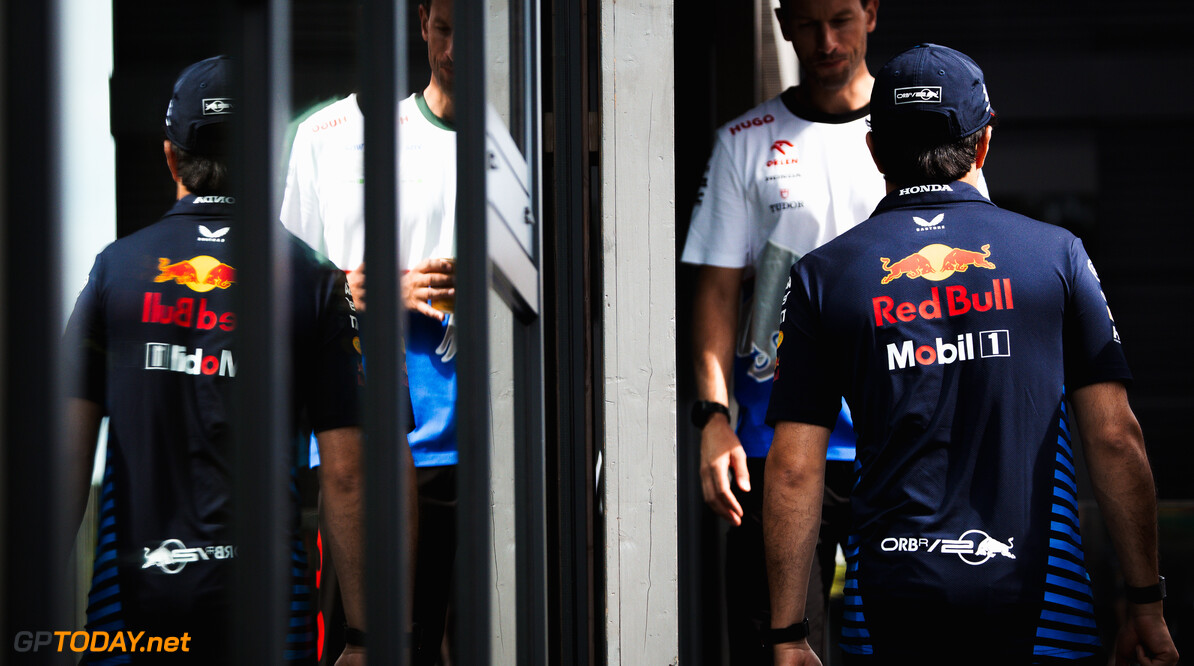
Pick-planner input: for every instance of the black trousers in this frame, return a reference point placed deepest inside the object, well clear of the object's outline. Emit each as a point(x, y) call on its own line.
point(748, 603)
point(435, 562)
point(434, 569)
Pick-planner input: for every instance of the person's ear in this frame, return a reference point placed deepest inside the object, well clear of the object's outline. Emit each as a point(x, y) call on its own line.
point(984, 144)
point(171, 158)
point(870, 144)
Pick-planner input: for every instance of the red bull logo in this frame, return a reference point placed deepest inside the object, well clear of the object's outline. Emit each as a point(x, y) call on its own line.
point(960, 260)
point(936, 262)
point(958, 301)
point(184, 313)
point(913, 265)
point(202, 273)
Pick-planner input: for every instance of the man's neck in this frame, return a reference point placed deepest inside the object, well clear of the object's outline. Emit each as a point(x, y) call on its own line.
point(852, 97)
point(440, 103)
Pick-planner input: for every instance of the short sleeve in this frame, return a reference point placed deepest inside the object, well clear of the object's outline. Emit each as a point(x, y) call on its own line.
point(339, 374)
point(719, 232)
point(1093, 352)
point(85, 345)
point(806, 387)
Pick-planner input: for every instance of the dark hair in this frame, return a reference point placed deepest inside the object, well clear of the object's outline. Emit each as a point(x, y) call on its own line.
point(907, 161)
point(783, 4)
point(200, 174)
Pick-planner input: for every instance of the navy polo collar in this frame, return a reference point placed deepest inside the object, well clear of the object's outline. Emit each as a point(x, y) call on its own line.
point(919, 196)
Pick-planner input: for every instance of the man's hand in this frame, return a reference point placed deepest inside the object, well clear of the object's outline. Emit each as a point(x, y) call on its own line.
point(1144, 638)
point(352, 656)
point(721, 452)
point(795, 654)
point(356, 283)
point(431, 279)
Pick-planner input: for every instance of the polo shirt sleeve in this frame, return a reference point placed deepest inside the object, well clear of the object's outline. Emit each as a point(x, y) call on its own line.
point(1093, 352)
point(85, 343)
point(719, 232)
point(806, 388)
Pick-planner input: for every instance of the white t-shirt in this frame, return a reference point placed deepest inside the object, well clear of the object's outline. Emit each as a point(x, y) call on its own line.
point(777, 177)
point(325, 192)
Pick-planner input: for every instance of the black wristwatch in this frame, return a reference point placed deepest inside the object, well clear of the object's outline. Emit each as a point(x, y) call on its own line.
point(702, 410)
point(354, 636)
point(790, 634)
point(1147, 594)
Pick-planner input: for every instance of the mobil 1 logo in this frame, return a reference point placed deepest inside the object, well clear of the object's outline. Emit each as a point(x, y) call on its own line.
point(966, 347)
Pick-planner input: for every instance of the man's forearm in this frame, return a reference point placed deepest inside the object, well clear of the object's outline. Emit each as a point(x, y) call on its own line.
point(793, 492)
point(342, 507)
point(1127, 500)
point(1121, 477)
point(715, 320)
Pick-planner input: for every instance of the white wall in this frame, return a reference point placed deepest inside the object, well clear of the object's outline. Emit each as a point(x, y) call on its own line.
point(503, 643)
point(88, 156)
point(87, 160)
point(639, 230)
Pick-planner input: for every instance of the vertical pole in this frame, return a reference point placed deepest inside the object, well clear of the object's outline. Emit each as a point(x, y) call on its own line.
point(530, 496)
point(574, 467)
point(387, 549)
point(530, 453)
point(34, 456)
point(263, 456)
point(472, 360)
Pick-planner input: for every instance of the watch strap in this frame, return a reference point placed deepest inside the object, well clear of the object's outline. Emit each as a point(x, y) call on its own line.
point(354, 636)
point(702, 410)
point(1147, 594)
point(789, 634)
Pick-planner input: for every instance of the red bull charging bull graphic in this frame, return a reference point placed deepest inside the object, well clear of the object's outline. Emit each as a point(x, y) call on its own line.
point(202, 273)
point(936, 262)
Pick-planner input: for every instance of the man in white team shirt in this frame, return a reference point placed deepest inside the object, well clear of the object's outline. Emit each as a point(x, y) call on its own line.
point(783, 179)
point(324, 205)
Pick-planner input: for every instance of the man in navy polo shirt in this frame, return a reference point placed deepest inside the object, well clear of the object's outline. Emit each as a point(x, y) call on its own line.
point(962, 336)
point(153, 333)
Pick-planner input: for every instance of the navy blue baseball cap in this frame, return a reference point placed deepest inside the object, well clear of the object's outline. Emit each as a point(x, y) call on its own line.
point(932, 91)
point(202, 103)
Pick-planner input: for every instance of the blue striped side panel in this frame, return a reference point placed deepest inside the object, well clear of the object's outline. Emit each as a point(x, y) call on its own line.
point(104, 600)
point(300, 640)
point(856, 638)
point(1066, 627)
